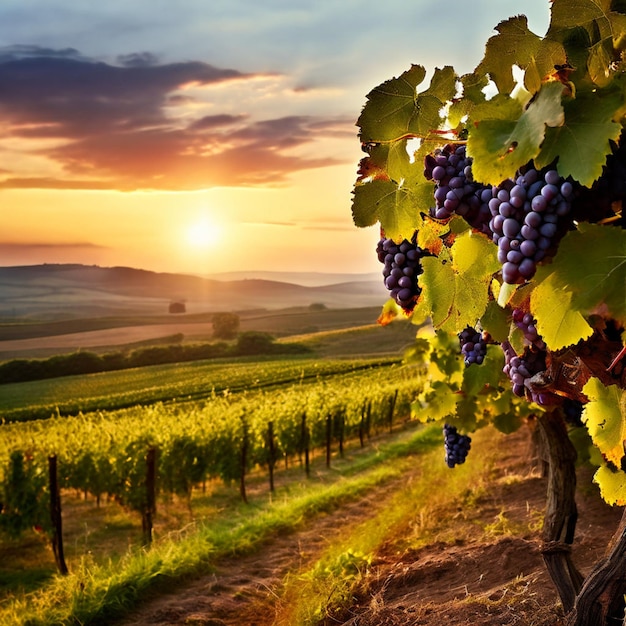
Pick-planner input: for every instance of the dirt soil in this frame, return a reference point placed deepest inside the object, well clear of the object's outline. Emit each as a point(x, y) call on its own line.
point(497, 580)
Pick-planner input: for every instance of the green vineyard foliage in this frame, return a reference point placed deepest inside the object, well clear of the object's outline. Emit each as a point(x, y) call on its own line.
point(103, 453)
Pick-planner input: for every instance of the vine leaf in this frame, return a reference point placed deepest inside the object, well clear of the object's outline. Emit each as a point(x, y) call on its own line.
point(605, 418)
point(604, 29)
point(394, 109)
point(505, 136)
point(612, 485)
point(594, 280)
point(439, 401)
point(396, 208)
point(557, 322)
point(515, 44)
point(581, 144)
point(456, 285)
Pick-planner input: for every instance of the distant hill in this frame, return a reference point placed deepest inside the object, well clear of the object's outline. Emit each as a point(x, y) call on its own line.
point(62, 291)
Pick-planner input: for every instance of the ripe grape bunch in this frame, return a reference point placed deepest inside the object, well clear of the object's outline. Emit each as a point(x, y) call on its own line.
point(524, 371)
point(456, 446)
point(526, 215)
point(473, 346)
point(401, 268)
point(455, 190)
point(527, 324)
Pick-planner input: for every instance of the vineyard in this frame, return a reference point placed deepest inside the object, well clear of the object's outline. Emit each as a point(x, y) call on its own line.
point(275, 412)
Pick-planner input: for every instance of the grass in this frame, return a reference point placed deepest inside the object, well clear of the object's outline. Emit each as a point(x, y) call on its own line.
point(98, 590)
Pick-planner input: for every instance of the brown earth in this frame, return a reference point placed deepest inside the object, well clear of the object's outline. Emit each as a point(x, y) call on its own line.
point(488, 578)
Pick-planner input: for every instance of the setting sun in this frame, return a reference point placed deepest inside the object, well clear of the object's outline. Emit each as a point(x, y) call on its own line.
point(203, 234)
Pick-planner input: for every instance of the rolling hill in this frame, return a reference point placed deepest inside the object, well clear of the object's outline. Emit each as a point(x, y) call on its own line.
point(53, 291)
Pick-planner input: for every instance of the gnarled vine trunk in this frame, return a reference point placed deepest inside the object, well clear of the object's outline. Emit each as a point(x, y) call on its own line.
point(601, 599)
point(561, 513)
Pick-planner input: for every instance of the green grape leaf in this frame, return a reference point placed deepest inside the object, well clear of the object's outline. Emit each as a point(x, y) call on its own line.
point(515, 44)
point(508, 423)
point(394, 109)
point(395, 207)
point(495, 322)
point(612, 485)
point(581, 144)
point(590, 265)
point(605, 418)
point(603, 25)
point(456, 285)
point(557, 322)
point(473, 94)
point(500, 142)
point(439, 401)
point(476, 378)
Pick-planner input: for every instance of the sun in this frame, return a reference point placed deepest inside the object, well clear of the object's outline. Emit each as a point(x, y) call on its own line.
point(203, 234)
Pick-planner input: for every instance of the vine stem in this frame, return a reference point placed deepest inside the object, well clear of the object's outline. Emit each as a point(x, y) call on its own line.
point(601, 599)
point(561, 513)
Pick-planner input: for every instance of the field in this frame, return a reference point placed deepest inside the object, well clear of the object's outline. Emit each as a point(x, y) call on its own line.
point(362, 538)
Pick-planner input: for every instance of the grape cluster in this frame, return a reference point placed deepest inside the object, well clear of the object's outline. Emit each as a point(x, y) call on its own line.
point(527, 324)
point(455, 190)
point(525, 220)
point(401, 268)
point(522, 368)
point(456, 446)
point(473, 346)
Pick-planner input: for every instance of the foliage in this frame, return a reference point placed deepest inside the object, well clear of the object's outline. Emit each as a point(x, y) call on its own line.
point(564, 110)
point(225, 325)
point(105, 452)
point(85, 362)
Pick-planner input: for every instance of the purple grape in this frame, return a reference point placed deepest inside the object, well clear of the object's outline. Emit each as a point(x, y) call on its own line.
point(402, 266)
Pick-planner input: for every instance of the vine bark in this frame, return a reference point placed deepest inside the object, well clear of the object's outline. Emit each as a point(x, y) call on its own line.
point(561, 513)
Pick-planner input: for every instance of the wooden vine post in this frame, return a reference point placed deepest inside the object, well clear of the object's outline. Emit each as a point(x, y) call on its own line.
point(55, 516)
point(271, 453)
point(149, 509)
point(243, 459)
point(305, 442)
point(329, 436)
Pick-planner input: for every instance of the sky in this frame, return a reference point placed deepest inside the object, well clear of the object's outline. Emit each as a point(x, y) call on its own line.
point(206, 136)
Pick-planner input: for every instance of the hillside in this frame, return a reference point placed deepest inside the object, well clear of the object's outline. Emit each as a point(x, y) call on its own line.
point(72, 291)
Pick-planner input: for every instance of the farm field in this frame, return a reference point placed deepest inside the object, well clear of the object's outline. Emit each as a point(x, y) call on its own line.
point(21, 339)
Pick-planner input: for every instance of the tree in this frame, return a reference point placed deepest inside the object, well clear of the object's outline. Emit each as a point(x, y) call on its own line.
point(499, 201)
point(225, 325)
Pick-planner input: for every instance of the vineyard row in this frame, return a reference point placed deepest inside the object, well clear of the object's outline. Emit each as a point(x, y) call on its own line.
point(105, 453)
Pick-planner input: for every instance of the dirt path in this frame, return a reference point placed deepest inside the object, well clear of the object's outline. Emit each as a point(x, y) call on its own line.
point(495, 579)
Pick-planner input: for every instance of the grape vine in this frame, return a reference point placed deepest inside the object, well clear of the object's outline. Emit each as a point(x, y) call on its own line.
point(512, 187)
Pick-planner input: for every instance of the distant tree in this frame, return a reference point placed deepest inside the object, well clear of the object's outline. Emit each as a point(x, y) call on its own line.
point(317, 306)
point(225, 325)
point(178, 307)
point(255, 342)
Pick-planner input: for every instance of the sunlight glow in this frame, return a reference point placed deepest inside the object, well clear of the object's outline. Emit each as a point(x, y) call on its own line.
point(203, 234)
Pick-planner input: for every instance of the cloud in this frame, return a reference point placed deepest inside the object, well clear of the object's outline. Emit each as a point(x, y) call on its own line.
point(32, 245)
point(116, 130)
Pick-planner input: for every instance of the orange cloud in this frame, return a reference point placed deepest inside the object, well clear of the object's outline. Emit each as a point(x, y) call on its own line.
point(115, 132)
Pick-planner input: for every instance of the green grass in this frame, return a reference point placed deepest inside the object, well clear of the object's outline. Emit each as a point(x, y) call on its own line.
point(95, 592)
point(369, 339)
